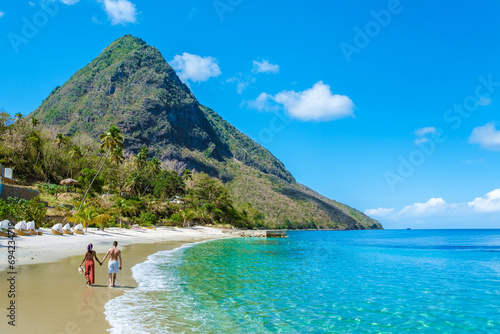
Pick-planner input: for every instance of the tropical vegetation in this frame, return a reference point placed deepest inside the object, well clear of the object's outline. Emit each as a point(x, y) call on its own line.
point(144, 150)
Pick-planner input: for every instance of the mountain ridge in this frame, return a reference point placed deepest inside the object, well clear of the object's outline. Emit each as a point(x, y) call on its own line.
point(131, 85)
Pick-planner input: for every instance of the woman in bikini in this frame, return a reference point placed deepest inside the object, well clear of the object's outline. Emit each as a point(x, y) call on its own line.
point(88, 258)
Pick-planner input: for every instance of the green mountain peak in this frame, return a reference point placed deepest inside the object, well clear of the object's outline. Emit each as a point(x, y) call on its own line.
point(131, 85)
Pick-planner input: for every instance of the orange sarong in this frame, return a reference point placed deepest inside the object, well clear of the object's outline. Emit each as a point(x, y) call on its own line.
point(89, 271)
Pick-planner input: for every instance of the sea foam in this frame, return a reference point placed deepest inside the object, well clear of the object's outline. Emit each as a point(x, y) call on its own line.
point(152, 306)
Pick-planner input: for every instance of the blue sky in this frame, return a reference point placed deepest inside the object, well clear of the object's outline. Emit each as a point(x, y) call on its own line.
point(388, 106)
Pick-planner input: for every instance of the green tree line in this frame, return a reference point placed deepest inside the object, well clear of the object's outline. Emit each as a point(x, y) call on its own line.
point(114, 187)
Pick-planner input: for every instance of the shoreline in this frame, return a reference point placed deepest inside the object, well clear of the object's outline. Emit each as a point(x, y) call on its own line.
point(51, 296)
point(49, 248)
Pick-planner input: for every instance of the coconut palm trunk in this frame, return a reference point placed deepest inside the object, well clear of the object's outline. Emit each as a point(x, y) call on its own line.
point(109, 141)
point(90, 185)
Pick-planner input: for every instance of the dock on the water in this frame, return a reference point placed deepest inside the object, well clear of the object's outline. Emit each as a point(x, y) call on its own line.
point(257, 233)
point(275, 234)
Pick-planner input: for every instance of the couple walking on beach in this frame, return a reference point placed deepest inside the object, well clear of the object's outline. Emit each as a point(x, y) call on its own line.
point(114, 255)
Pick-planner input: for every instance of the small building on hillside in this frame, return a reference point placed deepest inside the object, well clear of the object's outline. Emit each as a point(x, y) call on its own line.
point(6, 172)
point(9, 186)
point(176, 200)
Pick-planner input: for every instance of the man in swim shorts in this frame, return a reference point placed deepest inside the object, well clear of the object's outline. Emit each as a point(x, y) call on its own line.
point(114, 255)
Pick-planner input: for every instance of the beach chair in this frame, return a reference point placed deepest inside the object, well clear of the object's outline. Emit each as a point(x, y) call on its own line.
point(78, 229)
point(22, 229)
point(7, 233)
point(67, 229)
point(5, 230)
point(30, 226)
point(57, 229)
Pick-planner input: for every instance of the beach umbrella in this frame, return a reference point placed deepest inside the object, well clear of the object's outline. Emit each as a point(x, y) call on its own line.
point(68, 182)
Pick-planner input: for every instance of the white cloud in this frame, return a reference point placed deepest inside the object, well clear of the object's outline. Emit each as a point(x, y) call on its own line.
point(432, 206)
point(436, 212)
point(32, 4)
point(120, 11)
point(262, 103)
point(2, 14)
point(195, 68)
point(265, 67)
point(423, 134)
point(380, 212)
point(487, 136)
point(488, 203)
point(68, 2)
point(242, 82)
point(484, 101)
point(96, 20)
point(315, 104)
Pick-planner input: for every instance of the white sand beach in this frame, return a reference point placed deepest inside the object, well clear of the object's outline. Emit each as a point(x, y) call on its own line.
point(50, 248)
point(50, 294)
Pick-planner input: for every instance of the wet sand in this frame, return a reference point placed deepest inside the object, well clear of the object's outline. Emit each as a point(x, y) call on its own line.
point(53, 297)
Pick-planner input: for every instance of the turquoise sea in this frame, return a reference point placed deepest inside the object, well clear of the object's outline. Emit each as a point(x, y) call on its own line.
point(392, 281)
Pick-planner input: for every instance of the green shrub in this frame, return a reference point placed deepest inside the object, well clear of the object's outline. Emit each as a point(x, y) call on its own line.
point(49, 188)
point(32, 210)
point(168, 184)
point(148, 219)
point(176, 218)
point(4, 210)
point(87, 176)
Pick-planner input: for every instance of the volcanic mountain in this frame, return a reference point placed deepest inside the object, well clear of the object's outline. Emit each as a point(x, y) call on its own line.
point(131, 85)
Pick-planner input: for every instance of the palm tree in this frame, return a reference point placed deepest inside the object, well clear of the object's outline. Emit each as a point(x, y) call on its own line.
point(86, 216)
point(36, 143)
point(130, 208)
point(102, 219)
point(141, 157)
point(75, 152)
point(120, 206)
point(110, 140)
point(61, 140)
point(155, 169)
point(187, 175)
point(18, 116)
point(117, 156)
point(34, 122)
point(155, 166)
point(187, 215)
point(133, 184)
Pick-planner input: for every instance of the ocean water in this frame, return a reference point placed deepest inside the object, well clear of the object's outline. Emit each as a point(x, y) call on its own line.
point(393, 281)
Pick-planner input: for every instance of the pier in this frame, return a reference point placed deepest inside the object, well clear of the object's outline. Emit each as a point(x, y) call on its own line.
point(257, 233)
